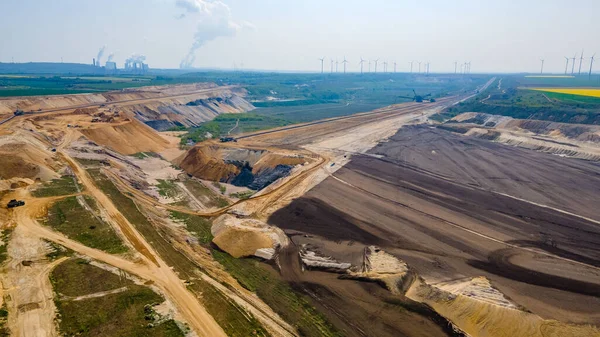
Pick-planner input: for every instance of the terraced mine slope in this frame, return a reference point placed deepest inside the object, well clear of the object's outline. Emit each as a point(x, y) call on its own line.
point(455, 207)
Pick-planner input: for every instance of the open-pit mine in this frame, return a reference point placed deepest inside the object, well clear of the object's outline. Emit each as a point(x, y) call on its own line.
point(379, 223)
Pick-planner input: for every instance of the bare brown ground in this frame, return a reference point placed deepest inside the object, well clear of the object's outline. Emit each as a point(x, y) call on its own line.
point(128, 138)
point(443, 204)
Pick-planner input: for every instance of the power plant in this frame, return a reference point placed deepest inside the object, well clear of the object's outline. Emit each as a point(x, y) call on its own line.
point(133, 65)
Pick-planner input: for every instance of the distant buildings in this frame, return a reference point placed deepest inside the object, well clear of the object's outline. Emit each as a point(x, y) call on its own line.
point(112, 66)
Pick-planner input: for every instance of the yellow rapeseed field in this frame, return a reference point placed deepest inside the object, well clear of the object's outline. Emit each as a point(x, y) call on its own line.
point(572, 91)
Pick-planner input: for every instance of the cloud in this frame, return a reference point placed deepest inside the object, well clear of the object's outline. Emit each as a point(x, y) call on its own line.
point(214, 21)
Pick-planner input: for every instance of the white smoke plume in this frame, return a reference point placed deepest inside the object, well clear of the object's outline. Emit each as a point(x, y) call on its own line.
point(100, 53)
point(110, 57)
point(136, 58)
point(214, 21)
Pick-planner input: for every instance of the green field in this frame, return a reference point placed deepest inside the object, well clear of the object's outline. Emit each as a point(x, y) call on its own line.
point(124, 313)
point(69, 217)
point(515, 100)
point(64, 185)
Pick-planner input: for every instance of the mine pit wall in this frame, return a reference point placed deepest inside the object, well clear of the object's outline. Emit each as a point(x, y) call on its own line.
point(254, 169)
point(188, 111)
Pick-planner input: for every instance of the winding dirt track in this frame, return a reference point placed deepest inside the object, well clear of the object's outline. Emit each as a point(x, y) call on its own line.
point(152, 267)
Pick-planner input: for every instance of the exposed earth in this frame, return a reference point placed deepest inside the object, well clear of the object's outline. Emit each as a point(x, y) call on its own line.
point(382, 223)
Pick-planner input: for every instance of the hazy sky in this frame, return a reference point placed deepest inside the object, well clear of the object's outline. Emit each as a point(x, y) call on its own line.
point(503, 36)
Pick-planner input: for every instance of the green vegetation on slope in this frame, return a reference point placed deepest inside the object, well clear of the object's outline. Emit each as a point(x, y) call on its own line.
point(205, 194)
point(77, 277)
point(234, 320)
point(167, 188)
point(124, 313)
point(69, 217)
point(4, 330)
point(5, 238)
point(218, 127)
point(198, 226)
point(289, 304)
point(64, 185)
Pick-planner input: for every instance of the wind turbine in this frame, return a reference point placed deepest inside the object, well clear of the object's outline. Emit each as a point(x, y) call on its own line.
point(322, 59)
point(580, 62)
point(542, 70)
point(455, 65)
point(573, 65)
point(566, 65)
point(376, 65)
point(411, 66)
point(419, 62)
point(369, 65)
point(361, 65)
point(332, 66)
point(344, 62)
point(336, 65)
point(394, 67)
point(385, 66)
point(591, 64)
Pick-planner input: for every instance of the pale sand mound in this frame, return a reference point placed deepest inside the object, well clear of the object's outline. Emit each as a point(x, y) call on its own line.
point(470, 308)
point(128, 138)
point(246, 237)
point(25, 160)
point(386, 268)
point(478, 288)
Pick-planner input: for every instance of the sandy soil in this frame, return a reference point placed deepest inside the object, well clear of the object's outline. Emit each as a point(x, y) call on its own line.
point(434, 200)
point(27, 286)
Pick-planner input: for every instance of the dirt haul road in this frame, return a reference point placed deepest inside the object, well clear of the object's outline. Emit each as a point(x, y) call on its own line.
point(364, 130)
point(114, 103)
point(152, 268)
point(158, 272)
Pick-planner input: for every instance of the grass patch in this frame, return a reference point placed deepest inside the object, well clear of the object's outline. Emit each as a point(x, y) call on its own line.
point(127, 313)
point(243, 195)
point(292, 306)
point(219, 186)
point(57, 251)
point(77, 277)
point(223, 123)
point(167, 188)
point(89, 162)
point(143, 155)
point(4, 330)
point(198, 226)
point(205, 194)
point(65, 185)
point(233, 319)
point(69, 217)
point(5, 238)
